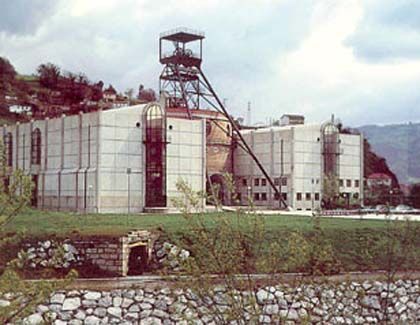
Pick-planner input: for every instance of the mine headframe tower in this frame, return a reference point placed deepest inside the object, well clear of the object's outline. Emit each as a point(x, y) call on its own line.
point(184, 82)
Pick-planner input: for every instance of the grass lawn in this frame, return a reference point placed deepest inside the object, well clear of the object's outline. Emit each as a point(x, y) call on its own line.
point(354, 241)
point(39, 223)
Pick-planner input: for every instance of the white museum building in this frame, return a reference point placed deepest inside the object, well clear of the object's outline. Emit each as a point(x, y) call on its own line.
point(130, 159)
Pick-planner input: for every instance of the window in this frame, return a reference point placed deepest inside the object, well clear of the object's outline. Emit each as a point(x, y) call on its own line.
point(276, 196)
point(257, 182)
point(8, 146)
point(244, 182)
point(284, 195)
point(308, 196)
point(263, 196)
point(356, 195)
point(341, 182)
point(36, 147)
point(256, 196)
point(356, 183)
point(263, 182)
point(348, 183)
point(284, 181)
point(316, 196)
point(299, 196)
point(277, 181)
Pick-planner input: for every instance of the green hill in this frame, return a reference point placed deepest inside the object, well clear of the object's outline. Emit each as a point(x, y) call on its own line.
point(399, 144)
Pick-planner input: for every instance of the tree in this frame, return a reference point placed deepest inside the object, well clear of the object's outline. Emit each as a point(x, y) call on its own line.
point(235, 244)
point(15, 195)
point(331, 190)
point(7, 75)
point(49, 75)
point(7, 71)
point(415, 195)
point(147, 95)
point(15, 191)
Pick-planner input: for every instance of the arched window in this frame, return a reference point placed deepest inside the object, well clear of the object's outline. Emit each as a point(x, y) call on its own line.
point(8, 146)
point(155, 141)
point(330, 140)
point(36, 147)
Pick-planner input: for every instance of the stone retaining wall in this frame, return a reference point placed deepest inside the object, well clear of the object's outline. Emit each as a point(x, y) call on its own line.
point(368, 302)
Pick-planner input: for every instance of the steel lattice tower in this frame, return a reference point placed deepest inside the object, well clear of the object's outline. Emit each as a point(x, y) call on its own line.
point(186, 86)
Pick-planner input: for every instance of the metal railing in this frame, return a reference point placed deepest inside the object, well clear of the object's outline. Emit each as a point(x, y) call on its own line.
point(182, 30)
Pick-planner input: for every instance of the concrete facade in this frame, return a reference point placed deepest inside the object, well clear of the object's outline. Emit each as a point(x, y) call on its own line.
point(293, 157)
point(95, 162)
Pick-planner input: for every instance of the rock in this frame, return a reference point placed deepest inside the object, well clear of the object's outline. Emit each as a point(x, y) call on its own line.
point(4, 303)
point(92, 295)
point(92, 320)
point(42, 309)
point(161, 304)
point(404, 299)
point(75, 322)
point(65, 315)
point(105, 301)
point(89, 303)
point(80, 315)
point(371, 302)
point(100, 312)
point(127, 302)
point(271, 309)
point(129, 294)
point(366, 285)
point(145, 313)
point(55, 307)
point(264, 319)
point(116, 301)
point(400, 307)
point(303, 314)
point(282, 303)
point(412, 305)
point(263, 296)
point(58, 298)
point(71, 304)
point(34, 319)
point(160, 314)
point(290, 314)
point(46, 244)
point(184, 254)
point(59, 322)
point(134, 309)
point(145, 306)
point(132, 316)
point(151, 321)
point(115, 311)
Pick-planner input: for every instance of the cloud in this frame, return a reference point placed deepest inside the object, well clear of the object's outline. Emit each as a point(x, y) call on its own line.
point(390, 30)
point(324, 76)
point(357, 59)
point(19, 17)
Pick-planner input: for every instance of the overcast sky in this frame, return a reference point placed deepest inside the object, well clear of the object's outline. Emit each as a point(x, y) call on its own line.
point(358, 59)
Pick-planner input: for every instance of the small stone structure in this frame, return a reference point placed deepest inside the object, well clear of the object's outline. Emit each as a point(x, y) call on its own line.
point(328, 303)
point(111, 254)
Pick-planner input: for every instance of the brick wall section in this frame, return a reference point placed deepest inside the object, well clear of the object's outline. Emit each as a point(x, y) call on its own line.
point(106, 253)
point(111, 254)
